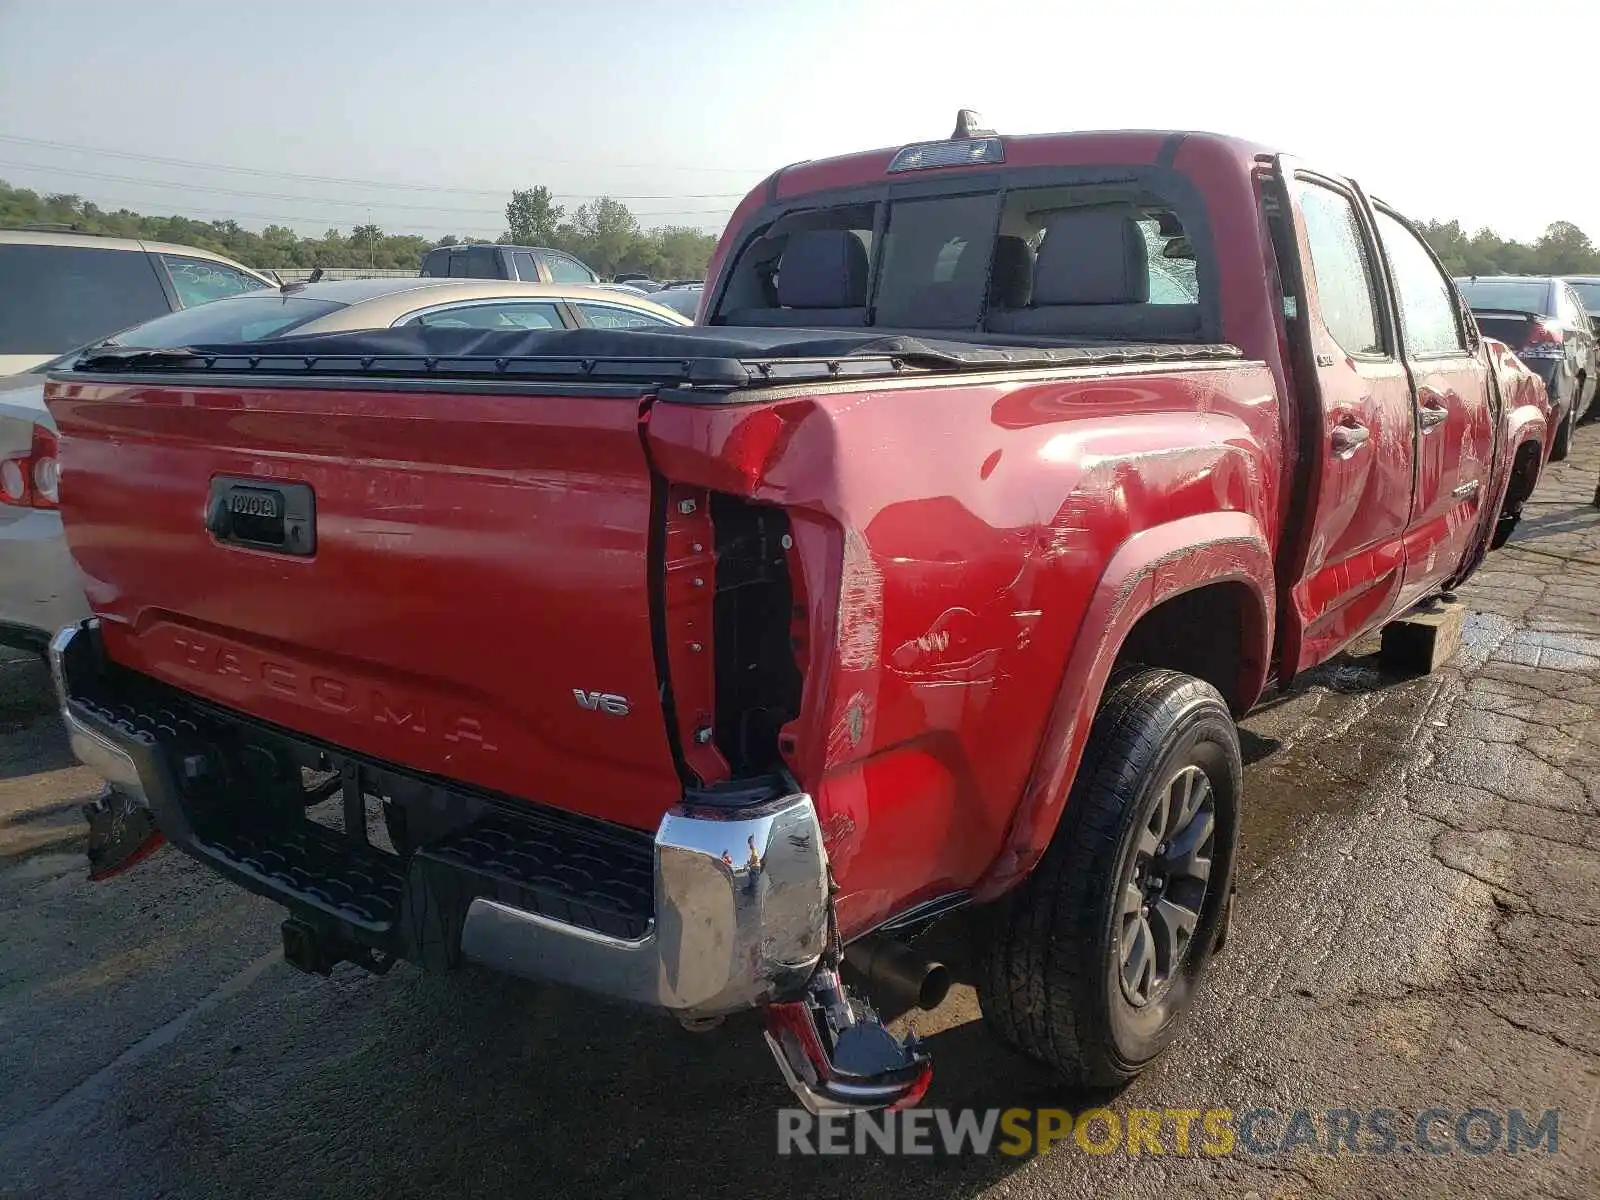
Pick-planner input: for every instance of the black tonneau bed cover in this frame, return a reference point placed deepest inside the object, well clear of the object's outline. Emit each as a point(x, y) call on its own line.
point(691, 356)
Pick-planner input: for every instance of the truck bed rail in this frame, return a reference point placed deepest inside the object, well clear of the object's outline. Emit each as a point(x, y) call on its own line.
point(367, 356)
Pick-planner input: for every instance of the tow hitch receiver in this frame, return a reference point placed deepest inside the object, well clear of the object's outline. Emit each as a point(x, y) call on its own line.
point(122, 832)
point(836, 1055)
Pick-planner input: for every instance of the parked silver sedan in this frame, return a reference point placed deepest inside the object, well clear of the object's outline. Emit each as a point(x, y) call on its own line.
point(39, 586)
point(40, 590)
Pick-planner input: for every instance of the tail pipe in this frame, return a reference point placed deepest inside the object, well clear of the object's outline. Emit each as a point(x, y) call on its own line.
point(896, 972)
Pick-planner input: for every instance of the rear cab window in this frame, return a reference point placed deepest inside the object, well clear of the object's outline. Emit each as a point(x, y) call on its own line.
point(53, 298)
point(241, 319)
point(1512, 295)
point(1094, 260)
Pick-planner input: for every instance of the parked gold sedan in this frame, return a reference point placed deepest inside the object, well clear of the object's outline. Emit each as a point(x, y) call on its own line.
point(483, 304)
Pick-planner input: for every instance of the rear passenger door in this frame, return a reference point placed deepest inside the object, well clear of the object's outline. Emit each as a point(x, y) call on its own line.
point(1357, 428)
point(1456, 432)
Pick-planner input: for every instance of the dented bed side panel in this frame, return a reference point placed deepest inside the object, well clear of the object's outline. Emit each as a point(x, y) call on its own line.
point(953, 539)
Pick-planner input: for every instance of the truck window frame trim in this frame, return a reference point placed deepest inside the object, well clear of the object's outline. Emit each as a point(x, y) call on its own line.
point(1467, 329)
point(1386, 303)
point(1173, 185)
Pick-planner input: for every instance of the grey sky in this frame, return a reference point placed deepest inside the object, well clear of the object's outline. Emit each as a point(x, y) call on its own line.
point(1443, 111)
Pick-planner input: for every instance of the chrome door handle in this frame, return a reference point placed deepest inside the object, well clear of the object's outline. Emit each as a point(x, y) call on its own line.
point(1432, 416)
point(1347, 439)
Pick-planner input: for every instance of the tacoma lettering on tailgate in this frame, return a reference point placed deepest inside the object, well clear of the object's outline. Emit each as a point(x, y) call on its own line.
point(237, 674)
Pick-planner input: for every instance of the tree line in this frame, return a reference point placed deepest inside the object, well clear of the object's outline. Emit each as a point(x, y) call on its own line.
point(1562, 249)
point(604, 234)
point(607, 235)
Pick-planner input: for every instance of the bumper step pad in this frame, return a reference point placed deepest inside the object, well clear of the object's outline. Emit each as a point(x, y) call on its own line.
point(571, 869)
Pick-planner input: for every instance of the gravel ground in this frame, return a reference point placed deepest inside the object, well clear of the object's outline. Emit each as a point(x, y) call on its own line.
point(1418, 925)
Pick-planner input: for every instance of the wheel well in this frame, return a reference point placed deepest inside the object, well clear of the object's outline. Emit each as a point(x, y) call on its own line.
point(1524, 474)
point(1214, 633)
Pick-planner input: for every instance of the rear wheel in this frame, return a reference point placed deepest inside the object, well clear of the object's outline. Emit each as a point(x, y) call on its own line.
point(1091, 965)
point(1562, 446)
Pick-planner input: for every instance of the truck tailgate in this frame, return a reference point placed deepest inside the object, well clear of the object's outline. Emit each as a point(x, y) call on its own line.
point(465, 594)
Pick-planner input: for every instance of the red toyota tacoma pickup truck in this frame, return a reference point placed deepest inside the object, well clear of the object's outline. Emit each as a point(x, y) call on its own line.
point(932, 568)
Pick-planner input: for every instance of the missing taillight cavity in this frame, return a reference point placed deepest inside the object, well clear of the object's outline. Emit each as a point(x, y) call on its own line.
point(758, 681)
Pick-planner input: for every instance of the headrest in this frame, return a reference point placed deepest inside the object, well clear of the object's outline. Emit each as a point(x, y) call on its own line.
point(1011, 277)
point(823, 268)
point(1092, 257)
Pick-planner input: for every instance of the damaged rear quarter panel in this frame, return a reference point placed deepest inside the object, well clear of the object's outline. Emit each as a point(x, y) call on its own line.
point(952, 534)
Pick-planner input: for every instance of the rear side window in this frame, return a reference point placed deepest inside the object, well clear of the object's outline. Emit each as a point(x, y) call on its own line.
point(1342, 264)
point(507, 314)
point(1589, 293)
point(527, 269)
point(199, 280)
point(53, 298)
point(568, 270)
point(482, 262)
point(266, 314)
point(614, 316)
point(1571, 309)
point(1428, 315)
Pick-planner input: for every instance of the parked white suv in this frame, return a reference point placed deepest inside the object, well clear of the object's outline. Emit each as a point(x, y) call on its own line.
point(61, 290)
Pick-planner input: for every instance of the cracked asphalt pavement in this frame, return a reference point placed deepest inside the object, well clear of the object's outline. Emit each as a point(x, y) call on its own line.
point(1417, 925)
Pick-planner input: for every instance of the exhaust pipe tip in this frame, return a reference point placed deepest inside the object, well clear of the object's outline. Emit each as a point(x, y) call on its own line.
point(899, 972)
point(935, 986)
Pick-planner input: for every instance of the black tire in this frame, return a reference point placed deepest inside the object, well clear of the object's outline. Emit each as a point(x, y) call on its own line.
point(1051, 963)
point(1562, 446)
point(1504, 528)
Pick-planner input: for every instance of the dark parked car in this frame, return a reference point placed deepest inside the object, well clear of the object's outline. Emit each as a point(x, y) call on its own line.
point(635, 280)
point(530, 264)
point(680, 297)
point(1588, 289)
point(1544, 321)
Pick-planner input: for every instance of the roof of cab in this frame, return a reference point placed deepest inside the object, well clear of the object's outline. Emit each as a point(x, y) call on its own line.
point(1085, 147)
point(96, 241)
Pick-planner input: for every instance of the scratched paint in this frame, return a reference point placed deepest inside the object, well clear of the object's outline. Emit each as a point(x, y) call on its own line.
point(860, 630)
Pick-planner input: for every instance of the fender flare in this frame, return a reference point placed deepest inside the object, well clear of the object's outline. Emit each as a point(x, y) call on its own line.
point(1524, 425)
point(1149, 568)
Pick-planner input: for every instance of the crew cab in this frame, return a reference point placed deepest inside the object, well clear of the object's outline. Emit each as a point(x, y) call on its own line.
point(931, 570)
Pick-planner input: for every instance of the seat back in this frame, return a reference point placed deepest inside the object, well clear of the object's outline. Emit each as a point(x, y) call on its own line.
point(822, 281)
point(1092, 278)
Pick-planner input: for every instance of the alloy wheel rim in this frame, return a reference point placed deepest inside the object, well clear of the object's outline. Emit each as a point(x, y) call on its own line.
point(1164, 892)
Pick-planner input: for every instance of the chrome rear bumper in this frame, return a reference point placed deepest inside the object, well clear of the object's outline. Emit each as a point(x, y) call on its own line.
point(740, 895)
point(740, 918)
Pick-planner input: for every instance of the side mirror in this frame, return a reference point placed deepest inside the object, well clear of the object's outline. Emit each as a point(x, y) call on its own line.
point(1179, 247)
